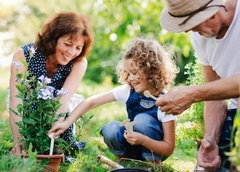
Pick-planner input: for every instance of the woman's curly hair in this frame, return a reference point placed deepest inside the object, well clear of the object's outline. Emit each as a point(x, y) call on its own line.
point(154, 61)
point(65, 24)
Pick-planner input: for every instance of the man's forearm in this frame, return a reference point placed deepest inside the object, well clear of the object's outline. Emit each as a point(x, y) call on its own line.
point(214, 116)
point(218, 90)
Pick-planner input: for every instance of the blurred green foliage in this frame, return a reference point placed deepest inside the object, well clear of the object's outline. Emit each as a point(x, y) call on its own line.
point(3, 95)
point(114, 23)
point(234, 154)
point(190, 127)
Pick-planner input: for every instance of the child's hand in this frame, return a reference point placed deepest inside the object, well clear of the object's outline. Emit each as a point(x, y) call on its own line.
point(134, 138)
point(58, 128)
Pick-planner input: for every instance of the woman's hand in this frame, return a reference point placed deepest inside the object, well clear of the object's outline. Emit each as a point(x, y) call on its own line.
point(17, 149)
point(134, 138)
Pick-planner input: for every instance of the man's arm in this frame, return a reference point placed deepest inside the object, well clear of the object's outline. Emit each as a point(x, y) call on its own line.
point(179, 98)
point(214, 111)
point(219, 90)
point(214, 116)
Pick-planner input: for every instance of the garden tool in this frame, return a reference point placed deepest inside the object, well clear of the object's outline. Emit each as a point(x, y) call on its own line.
point(148, 94)
point(52, 143)
point(119, 168)
point(128, 125)
point(109, 162)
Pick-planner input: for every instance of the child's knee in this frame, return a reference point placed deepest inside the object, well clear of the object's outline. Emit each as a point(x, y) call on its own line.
point(143, 121)
point(111, 130)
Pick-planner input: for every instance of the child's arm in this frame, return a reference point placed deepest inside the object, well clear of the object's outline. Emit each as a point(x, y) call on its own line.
point(80, 110)
point(165, 147)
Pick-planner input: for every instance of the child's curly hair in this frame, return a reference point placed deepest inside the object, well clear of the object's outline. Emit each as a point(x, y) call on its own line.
point(153, 61)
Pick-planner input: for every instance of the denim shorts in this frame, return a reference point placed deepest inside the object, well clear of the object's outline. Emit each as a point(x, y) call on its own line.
point(113, 136)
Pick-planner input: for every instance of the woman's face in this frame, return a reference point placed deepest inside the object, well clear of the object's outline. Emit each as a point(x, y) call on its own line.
point(67, 49)
point(135, 78)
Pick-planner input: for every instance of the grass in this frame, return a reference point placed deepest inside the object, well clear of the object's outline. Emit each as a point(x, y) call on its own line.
point(181, 160)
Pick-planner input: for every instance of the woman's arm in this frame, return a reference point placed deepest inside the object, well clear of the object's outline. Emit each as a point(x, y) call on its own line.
point(72, 83)
point(80, 110)
point(14, 101)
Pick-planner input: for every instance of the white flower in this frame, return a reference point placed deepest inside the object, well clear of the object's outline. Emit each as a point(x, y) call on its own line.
point(47, 80)
point(41, 78)
point(32, 51)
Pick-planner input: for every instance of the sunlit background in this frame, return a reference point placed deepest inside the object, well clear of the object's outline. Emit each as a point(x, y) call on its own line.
point(114, 21)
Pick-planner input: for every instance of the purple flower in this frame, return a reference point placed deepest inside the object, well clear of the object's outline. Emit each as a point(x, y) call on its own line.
point(50, 89)
point(43, 80)
point(62, 92)
point(17, 64)
point(45, 94)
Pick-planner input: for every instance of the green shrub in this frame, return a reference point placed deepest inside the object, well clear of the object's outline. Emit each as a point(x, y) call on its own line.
point(18, 164)
point(235, 153)
point(190, 126)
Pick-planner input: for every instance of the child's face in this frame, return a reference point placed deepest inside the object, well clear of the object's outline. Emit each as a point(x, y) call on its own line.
point(135, 76)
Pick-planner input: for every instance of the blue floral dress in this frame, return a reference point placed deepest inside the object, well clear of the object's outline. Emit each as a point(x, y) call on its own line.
point(37, 65)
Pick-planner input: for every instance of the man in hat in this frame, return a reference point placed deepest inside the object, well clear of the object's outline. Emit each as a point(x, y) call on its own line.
point(215, 38)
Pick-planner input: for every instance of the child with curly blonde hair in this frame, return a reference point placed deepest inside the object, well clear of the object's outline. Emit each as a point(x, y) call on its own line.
point(146, 65)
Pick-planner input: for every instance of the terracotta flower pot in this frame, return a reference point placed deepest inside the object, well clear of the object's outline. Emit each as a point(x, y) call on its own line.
point(54, 161)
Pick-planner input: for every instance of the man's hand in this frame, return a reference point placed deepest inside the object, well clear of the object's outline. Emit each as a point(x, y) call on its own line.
point(207, 155)
point(16, 150)
point(176, 100)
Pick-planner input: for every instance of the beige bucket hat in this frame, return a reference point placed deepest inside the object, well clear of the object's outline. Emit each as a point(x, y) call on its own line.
point(183, 15)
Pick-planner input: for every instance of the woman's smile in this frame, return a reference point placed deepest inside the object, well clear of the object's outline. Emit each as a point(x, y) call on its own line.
point(66, 57)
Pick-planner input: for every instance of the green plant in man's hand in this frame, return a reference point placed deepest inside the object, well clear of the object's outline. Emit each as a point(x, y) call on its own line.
point(38, 110)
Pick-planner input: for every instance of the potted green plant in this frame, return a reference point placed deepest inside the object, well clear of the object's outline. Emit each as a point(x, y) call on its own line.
point(38, 109)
